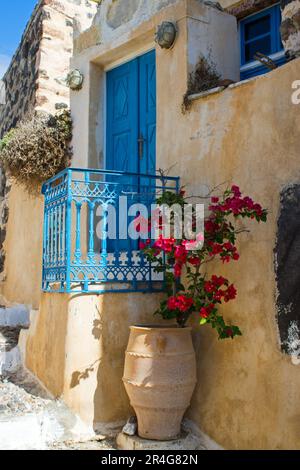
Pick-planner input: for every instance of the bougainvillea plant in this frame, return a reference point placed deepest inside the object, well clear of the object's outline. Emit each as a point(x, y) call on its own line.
point(200, 294)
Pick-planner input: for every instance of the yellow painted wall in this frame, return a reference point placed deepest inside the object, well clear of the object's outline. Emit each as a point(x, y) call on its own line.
point(76, 347)
point(247, 395)
point(23, 248)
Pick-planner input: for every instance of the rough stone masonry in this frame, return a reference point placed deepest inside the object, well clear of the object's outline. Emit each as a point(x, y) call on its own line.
point(35, 77)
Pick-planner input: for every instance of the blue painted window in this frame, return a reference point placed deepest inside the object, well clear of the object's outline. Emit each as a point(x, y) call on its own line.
point(260, 33)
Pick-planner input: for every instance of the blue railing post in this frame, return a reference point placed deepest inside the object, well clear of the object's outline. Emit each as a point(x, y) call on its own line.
point(91, 251)
point(45, 243)
point(78, 233)
point(68, 239)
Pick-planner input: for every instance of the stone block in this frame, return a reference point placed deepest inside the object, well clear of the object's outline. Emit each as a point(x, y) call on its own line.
point(187, 441)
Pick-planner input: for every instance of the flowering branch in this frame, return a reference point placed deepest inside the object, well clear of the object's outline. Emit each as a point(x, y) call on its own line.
point(202, 295)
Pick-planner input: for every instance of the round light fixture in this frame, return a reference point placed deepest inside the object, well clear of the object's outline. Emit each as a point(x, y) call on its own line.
point(75, 79)
point(166, 35)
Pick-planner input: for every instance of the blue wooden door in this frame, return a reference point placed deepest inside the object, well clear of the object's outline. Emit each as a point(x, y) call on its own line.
point(131, 116)
point(131, 123)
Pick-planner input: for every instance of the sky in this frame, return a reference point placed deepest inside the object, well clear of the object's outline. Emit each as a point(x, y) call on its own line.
point(13, 19)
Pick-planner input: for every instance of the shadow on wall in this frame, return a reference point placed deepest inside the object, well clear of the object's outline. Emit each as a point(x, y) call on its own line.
point(84, 374)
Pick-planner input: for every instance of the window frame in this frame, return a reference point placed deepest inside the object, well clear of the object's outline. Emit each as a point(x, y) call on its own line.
point(254, 67)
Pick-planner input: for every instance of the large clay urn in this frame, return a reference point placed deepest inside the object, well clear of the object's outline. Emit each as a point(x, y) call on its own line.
point(159, 377)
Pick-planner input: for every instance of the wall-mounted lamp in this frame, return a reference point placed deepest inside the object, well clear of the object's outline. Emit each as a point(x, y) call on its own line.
point(75, 79)
point(166, 35)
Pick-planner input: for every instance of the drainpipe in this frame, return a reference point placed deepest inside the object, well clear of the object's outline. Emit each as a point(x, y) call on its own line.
point(290, 27)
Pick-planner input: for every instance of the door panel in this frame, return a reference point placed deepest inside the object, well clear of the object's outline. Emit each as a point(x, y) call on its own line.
point(122, 118)
point(147, 72)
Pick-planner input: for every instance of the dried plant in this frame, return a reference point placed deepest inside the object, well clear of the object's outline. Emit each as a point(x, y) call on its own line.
point(203, 78)
point(37, 149)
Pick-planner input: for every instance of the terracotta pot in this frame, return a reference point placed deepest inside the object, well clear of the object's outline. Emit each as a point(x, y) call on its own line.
point(159, 377)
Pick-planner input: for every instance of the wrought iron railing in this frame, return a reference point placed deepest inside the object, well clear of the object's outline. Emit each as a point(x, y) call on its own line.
point(76, 257)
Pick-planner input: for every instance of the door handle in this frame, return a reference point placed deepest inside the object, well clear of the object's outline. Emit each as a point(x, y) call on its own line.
point(141, 142)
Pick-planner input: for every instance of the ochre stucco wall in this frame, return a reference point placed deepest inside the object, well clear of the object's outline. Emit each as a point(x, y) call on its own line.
point(248, 391)
point(76, 347)
point(23, 248)
point(247, 394)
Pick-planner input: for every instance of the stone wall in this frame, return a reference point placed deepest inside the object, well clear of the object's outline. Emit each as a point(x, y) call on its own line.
point(290, 27)
point(35, 77)
point(21, 77)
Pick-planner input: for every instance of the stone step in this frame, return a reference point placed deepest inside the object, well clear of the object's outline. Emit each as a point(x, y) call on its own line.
point(16, 316)
point(12, 320)
point(39, 431)
point(31, 419)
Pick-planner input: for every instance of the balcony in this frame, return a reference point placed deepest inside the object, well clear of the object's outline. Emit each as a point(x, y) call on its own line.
point(81, 252)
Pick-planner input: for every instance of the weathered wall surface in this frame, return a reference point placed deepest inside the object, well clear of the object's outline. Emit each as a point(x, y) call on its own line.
point(34, 77)
point(22, 275)
point(290, 27)
point(247, 395)
point(76, 346)
point(201, 29)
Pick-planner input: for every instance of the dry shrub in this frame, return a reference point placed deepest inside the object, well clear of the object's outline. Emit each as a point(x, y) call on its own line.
point(203, 78)
point(37, 149)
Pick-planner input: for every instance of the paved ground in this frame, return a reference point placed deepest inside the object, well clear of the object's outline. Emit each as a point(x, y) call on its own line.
point(29, 419)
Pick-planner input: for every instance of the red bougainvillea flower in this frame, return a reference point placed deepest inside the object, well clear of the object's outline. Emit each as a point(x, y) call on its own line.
point(215, 248)
point(215, 200)
point(164, 244)
point(177, 270)
point(209, 287)
point(219, 280)
point(144, 245)
point(180, 302)
point(204, 313)
point(230, 294)
point(218, 295)
point(195, 261)
point(236, 191)
point(229, 333)
point(180, 253)
point(211, 226)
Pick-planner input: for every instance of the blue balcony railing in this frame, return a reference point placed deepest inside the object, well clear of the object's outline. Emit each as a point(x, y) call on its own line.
point(80, 254)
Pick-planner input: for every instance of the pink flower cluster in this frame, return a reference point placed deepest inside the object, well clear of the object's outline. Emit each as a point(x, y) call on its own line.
point(236, 204)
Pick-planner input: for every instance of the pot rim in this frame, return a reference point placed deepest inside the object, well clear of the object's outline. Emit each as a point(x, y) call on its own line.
point(156, 327)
